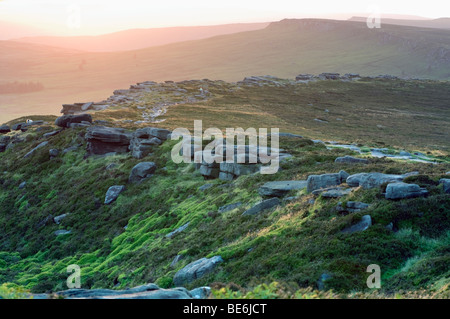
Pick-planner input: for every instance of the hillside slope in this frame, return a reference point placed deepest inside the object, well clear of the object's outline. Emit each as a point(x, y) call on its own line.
point(56, 208)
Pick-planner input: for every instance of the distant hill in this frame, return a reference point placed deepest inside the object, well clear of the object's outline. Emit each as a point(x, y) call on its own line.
point(441, 23)
point(10, 30)
point(283, 49)
point(141, 38)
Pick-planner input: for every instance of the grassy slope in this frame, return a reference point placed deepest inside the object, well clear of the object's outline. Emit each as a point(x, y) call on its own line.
point(283, 49)
point(294, 244)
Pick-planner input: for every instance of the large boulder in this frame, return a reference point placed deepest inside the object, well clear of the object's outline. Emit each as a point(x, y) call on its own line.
point(196, 270)
point(315, 182)
point(280, 188)
point(113, 193)
point(372, 180)
point(261, 206)
point(402, 190)
point(145, 139)
point(142, 171)
point(103, 140)
point(351, 160)
point(66, 120)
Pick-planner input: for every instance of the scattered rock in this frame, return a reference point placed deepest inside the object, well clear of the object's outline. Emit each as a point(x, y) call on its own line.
point(196, 270)
point(332, 192)
point(400, 190)
point(66, 120)
point(43, 144)
point(142, 171)
point(4, 129)
point(365, 223)
point(144, 140)
point(229, 207)
point(372, 180)
point(351, 160)
point(62, 232)
point(59, 218)
point(261, 206)
point(50, 134)
point(22, 185)
point(176, 260)
point(112, 194)
point(315, 182)
point(352, 207)
point(280, 188)
point(53, 152)
point(178, 230)
point(200, 293)
point(329, 76)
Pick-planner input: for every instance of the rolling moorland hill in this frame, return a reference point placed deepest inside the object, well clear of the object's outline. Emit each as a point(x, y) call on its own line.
point(284, 49)
point(135, 39)
point(99, 189)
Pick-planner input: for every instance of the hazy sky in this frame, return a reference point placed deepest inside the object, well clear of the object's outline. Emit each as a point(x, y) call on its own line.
point(70, 17)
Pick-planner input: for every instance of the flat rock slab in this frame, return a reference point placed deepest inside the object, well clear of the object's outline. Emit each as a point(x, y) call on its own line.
point(280, 188)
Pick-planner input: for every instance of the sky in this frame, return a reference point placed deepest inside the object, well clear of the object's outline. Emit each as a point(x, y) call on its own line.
point(90, 17)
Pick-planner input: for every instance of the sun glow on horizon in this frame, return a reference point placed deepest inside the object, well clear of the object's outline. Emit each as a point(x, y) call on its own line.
point(92, 17)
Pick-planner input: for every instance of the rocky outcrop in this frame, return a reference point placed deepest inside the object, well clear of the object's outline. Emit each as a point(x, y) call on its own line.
point(113, 193)
point(402, 190)
point(65, 121)
point(142, 171)
point(102, 140)
point(144, 140)
point(196, 270)
point(261, 206)
point(280, 188)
